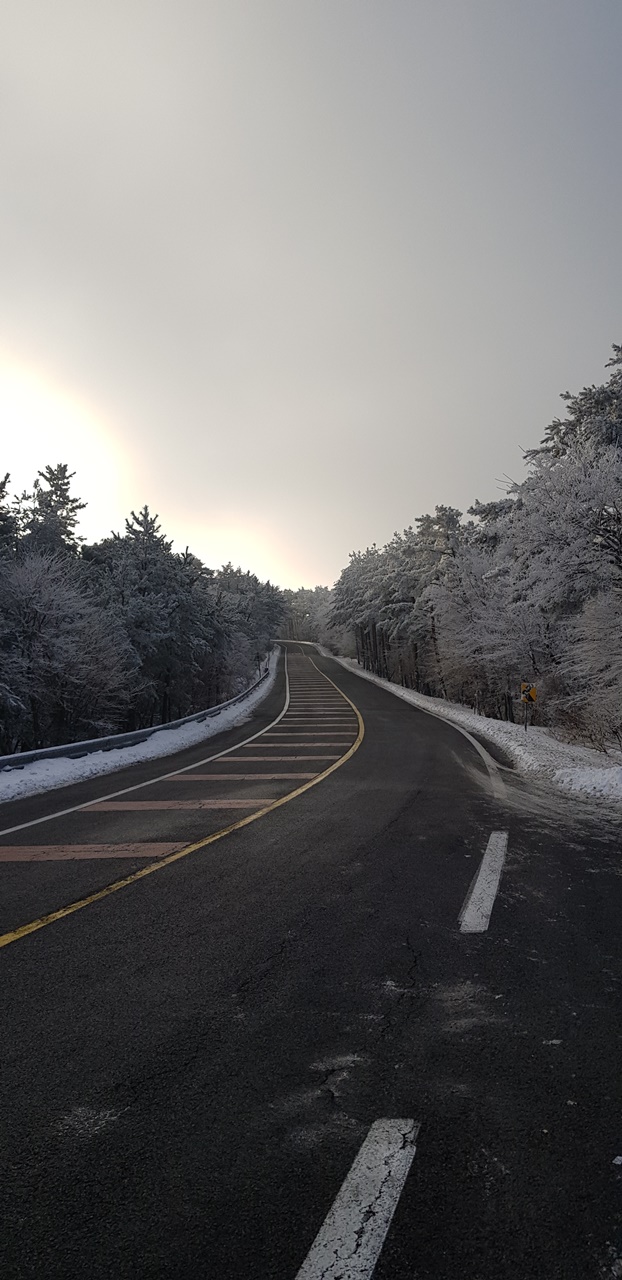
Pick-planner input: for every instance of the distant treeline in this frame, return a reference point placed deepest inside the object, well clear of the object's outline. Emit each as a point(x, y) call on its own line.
point(116, 635)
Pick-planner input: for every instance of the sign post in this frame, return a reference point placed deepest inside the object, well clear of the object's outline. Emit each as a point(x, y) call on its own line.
point(528, 693)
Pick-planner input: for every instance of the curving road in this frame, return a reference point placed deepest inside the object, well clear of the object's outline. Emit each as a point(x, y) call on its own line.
point(271, 1015)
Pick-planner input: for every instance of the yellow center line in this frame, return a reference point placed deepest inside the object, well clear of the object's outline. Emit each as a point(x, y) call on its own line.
point(15, 934)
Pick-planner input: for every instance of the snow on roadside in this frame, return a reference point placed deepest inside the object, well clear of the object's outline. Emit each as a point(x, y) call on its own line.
point(47, 775)
point(568, 766)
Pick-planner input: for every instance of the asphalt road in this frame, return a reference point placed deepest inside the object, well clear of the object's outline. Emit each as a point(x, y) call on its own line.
point(191, 1063)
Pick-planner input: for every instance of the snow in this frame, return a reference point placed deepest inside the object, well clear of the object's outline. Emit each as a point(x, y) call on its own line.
point(47, 775)
point(567, 766)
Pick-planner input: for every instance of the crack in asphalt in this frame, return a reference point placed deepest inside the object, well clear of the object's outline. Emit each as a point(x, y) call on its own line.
point(220, 1014)
point(272, 962)
point(389, 1018)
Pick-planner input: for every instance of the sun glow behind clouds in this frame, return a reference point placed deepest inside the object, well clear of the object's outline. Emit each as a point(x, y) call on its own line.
point(41, 423)
point(255, 547)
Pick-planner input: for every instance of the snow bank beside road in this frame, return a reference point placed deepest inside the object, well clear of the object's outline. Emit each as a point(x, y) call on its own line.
point(47, 775)
point(567, 766)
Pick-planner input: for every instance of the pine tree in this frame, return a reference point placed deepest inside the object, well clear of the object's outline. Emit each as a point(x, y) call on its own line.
point(49, 516)
point(9, 530)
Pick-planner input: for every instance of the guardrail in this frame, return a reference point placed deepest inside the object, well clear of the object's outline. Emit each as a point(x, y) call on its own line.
point(75, 750)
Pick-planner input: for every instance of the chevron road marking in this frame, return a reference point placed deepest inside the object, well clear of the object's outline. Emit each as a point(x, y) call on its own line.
point(337, 760)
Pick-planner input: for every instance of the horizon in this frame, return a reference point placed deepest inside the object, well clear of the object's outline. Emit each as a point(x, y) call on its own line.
point(297, 277)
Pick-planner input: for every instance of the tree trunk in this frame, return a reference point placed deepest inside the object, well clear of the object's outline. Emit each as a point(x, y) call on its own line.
point(437, 655)
point(416, 667)
point(36, 728)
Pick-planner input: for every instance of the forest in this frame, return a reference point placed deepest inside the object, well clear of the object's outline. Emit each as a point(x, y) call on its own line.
point(528, 588)
point(119, 634)
point(126, 633)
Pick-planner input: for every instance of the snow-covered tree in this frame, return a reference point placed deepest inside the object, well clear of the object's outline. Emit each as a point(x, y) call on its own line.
point(528, 589)
point(594, 670)
point(308, 614)
point(8, 521)
point(189, 637)
point(67, 667)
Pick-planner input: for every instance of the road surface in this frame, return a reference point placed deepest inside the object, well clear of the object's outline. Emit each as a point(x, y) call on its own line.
point(374, 1030)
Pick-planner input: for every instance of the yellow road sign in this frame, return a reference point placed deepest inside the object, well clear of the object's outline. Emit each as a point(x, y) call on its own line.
point(528, 692)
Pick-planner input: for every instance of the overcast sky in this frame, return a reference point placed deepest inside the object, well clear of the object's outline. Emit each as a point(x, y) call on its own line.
point(292, 272)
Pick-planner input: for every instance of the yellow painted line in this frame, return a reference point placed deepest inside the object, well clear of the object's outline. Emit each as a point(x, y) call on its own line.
point(53, 916)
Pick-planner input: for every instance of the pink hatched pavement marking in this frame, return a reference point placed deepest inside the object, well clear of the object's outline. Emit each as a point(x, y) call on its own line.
point(145, 806)
point(72, 852)
point(270, 759)
point(240, 777)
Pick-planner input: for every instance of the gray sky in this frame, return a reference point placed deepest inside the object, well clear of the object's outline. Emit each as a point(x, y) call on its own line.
point(295, 271)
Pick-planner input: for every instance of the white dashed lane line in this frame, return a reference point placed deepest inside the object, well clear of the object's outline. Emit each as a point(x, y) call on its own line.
point(475, 914)
point(349, 1242)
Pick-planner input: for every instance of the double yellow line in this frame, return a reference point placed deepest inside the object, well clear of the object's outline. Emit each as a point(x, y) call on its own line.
point(15, 934)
